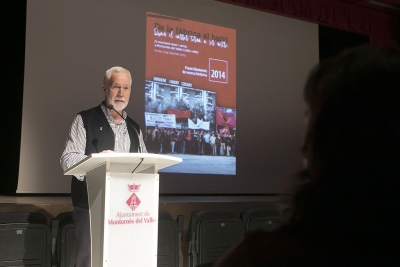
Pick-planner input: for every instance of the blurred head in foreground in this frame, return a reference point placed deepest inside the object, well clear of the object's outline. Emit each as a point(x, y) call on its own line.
point(349, 188)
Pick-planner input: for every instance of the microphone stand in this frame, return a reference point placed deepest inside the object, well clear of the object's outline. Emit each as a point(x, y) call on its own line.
point(110, 106)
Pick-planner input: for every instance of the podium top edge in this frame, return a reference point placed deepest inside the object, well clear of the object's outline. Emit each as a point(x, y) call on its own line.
point(97, 158)
point(132, 155)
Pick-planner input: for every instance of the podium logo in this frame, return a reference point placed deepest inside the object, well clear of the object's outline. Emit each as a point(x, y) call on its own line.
point(133, 201)
point(134, 187)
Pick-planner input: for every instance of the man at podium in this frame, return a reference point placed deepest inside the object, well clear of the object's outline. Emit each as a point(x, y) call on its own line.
point(102, 129)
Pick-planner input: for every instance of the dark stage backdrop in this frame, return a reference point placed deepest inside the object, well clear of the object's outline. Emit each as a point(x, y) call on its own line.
point(69, 45)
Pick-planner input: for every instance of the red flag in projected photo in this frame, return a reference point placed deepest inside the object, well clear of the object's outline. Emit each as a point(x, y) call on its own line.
point(179, 114)
point(224, 131)
point(225, 119)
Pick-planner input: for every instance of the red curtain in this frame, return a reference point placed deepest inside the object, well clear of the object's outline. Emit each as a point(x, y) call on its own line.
point(383, 29)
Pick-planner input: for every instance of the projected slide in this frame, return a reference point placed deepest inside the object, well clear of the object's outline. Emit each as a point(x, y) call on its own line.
point(190, 94)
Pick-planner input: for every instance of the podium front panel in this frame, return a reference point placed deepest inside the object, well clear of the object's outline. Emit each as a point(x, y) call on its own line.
point(123, 206)
point(131, 220)
point(123, 218)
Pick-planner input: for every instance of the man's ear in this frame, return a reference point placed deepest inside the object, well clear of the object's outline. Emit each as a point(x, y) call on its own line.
point(103, 87)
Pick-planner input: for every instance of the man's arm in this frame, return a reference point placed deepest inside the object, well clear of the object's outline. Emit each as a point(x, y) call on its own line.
point(75, 146)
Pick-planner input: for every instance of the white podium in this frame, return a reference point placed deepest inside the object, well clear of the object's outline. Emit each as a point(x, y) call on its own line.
point(123, 191)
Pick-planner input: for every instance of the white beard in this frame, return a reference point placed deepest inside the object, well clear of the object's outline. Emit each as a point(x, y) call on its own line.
point(117, 105)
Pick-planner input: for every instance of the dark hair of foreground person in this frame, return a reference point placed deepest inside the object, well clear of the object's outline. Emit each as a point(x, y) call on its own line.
point(344, 211)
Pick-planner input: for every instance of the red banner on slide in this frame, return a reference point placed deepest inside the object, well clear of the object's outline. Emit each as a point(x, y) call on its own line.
point(179, 114)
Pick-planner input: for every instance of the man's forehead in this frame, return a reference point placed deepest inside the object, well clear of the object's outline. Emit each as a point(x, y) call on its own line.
point(115, 75)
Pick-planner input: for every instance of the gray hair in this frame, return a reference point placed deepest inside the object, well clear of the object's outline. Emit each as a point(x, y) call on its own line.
point(110, 71)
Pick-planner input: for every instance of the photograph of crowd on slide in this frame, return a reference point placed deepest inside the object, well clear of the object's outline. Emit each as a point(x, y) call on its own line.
point(190, 94)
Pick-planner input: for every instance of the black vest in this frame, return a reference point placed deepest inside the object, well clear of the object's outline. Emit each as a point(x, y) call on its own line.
point(99, 137)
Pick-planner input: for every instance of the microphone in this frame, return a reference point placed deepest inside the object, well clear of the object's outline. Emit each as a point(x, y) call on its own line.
point(110, 106)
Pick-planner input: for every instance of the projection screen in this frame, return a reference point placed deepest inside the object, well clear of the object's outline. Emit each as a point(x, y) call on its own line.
point(223, 70)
